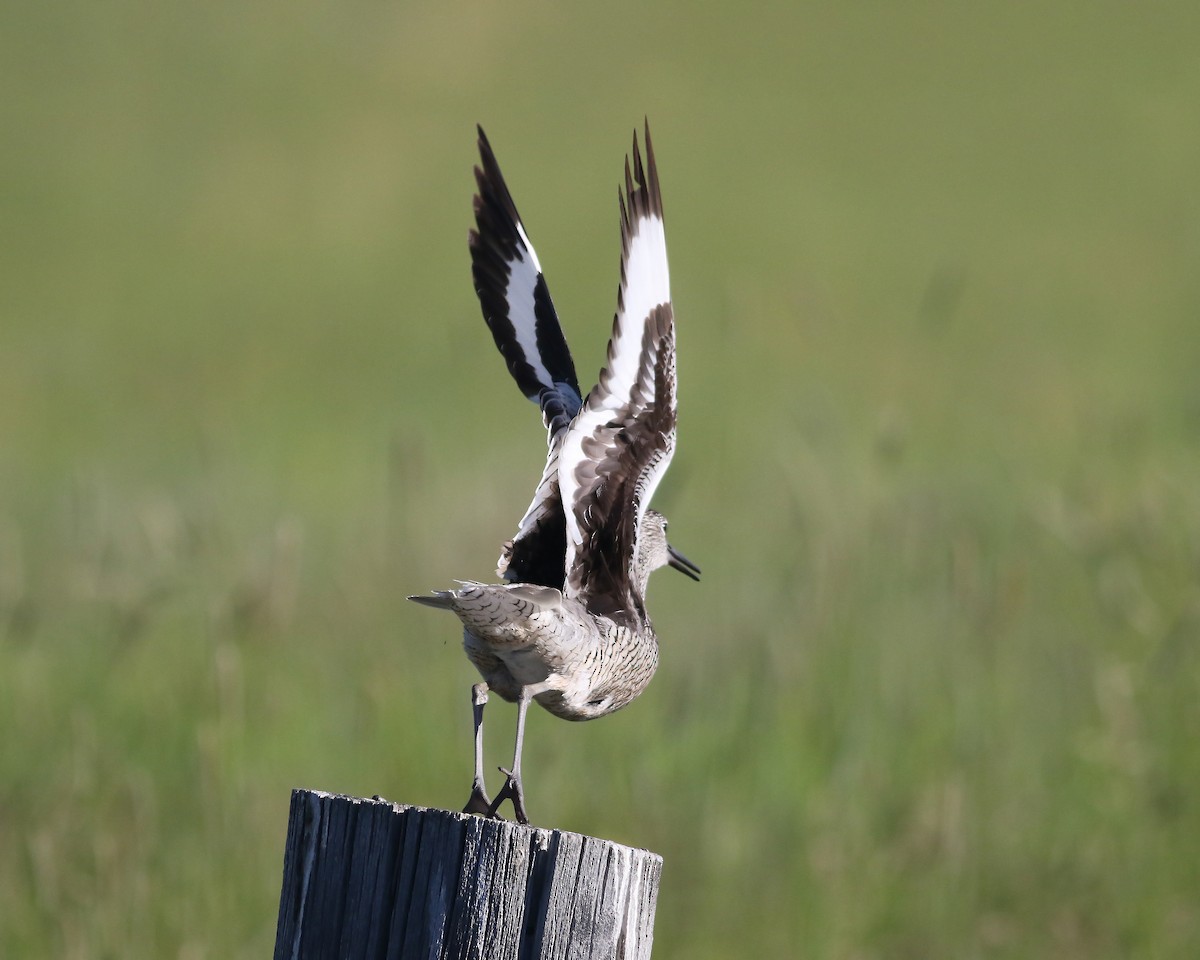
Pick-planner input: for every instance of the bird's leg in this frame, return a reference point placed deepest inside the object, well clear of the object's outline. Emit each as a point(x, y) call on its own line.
point(512, 789)
point(479, 802)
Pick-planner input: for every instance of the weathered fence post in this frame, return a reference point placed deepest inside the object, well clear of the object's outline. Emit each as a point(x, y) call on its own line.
point(374, 879)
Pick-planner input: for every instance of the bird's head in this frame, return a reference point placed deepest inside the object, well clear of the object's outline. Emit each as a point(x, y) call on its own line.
point(655, 551)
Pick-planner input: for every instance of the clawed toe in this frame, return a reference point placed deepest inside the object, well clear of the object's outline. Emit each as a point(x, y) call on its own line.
point(512, 790)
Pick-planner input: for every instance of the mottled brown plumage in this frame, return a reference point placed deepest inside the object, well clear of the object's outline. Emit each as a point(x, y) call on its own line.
point(570, 630)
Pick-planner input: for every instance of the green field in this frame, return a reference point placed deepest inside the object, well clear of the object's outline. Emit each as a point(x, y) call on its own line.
point(937, 279)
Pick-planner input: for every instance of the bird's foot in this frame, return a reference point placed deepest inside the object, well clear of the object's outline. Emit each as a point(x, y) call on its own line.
point(479, 803)
point(513, 791)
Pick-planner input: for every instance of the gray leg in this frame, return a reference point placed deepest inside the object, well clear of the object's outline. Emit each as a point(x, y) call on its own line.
point(512, 789)
point(479, 802)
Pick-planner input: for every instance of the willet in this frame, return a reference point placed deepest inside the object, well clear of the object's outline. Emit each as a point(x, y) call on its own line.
point(569, 628)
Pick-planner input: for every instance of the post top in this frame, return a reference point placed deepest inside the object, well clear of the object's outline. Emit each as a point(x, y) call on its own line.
point(542, 837)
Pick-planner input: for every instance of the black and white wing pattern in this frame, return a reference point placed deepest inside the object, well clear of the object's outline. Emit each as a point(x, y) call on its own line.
point(621, 441)
point(518, 310)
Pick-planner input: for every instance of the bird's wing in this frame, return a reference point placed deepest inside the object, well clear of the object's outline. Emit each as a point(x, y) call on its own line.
point(515, 299)
point(621, 441)
point(518, 310)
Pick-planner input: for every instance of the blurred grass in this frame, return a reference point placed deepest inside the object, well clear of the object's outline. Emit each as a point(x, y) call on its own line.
point(935, 271)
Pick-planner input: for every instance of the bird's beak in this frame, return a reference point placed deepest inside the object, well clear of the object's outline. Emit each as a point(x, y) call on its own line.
point(681, 563)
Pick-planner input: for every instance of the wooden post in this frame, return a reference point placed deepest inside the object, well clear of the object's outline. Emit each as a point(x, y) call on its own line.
point(374, 879)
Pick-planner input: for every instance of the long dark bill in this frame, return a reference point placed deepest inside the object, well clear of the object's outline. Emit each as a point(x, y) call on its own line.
point(681, 563)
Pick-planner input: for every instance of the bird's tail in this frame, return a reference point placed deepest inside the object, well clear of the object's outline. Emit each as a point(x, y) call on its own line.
point(441, 599)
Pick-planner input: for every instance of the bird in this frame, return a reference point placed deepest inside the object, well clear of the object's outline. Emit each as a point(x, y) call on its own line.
point(568, 628)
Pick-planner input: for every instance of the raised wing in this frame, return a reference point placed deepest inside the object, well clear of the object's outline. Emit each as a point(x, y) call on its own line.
point(621, 442)
point(518, 310)
point(515, 299)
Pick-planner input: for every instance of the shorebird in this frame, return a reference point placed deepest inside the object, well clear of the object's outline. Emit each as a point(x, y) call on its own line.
point(568, 627)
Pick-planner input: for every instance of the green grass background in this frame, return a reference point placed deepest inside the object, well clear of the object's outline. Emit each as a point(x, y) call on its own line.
point(936, 276)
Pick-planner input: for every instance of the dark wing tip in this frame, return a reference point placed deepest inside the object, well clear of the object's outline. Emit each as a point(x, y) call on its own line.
point(652, 168)
point(642, 197)
point(492, 188)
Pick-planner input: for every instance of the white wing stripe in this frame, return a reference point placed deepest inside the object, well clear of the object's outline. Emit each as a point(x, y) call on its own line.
point(647, 284)
point(529, 246)
point(647, 276)
point(522, 280)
